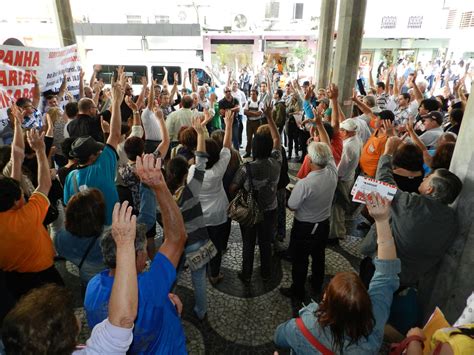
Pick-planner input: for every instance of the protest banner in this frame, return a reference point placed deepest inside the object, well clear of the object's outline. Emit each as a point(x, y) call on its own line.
point(19, 64)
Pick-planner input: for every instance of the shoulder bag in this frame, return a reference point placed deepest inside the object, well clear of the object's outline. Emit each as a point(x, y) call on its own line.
point(244, 207)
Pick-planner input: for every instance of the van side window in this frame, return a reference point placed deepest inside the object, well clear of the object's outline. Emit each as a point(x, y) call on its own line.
point(136, 72)
point(203, 77)
point(158, 73)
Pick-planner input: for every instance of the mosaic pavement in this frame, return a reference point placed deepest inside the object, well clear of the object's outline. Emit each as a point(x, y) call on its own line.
point(240, 319)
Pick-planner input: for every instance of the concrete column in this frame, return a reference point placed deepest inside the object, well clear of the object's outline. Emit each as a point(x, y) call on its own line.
point(65, 23)
point(455, 278)
point(348, 44)
point(325, 42)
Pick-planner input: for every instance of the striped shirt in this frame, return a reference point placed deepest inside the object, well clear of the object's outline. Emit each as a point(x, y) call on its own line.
point(189, 204)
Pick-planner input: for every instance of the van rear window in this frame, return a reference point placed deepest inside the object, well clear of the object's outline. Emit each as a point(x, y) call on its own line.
point(158, 73)
point(131, 71)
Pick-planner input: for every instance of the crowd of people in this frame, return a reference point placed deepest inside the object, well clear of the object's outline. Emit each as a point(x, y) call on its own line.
point(91, 181)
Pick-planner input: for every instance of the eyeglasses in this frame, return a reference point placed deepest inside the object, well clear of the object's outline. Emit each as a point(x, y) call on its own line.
point(227, 91)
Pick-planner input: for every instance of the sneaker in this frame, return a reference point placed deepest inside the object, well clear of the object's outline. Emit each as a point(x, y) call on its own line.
point(246, 155)
point(215, 280)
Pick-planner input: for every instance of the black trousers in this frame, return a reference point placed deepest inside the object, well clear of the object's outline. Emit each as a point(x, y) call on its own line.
point(217, 235)
point(303, 139)
point(306, 242)
point(292, 132)
point(264, 231)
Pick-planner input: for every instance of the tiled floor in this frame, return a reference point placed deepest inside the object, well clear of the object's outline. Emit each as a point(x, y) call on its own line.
point(241, 320)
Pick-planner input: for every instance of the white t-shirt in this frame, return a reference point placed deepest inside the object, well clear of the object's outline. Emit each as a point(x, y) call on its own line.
point(254, 106)
point(213, 198)
point(151, 125)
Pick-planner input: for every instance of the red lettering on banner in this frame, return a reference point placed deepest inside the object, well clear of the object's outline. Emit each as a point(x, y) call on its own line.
point(20, 58)
point(12, 80)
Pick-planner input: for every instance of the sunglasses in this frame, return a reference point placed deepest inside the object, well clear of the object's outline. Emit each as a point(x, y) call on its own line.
point(227, 91)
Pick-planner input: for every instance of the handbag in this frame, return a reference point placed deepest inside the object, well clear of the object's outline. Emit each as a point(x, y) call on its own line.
point(244, 207)
point(197, 259)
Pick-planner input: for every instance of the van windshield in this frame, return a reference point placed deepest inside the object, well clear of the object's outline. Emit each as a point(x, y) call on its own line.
point(135, 72)
point(158, 73)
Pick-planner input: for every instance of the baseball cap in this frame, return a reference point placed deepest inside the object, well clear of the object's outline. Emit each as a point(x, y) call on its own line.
point(435, 116)
point(83, 147)
point(349, 125)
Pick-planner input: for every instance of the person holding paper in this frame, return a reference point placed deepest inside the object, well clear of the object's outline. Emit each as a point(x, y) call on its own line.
point(349, 319)
point(423, 224)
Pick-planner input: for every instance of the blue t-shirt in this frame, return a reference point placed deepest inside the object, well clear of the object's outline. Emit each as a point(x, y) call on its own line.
point(101, 175)
point(158, 328)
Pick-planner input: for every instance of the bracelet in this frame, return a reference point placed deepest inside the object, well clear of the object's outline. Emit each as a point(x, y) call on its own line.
point(386, 242)
point(411, 338)
point(136, 112)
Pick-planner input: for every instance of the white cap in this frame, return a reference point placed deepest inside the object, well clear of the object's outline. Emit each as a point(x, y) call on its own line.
point(349, 125)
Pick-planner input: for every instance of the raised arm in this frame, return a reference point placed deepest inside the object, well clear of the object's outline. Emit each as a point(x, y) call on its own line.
point(333, 93)
point(416, 90)
point(97, 88)
point(95, 70)
point(323, 134)
point(396, 88)
point(150, 174)
point(379, 209)
point(165, 137)
point(427, 158)
point(63, 87)
point(81, 84)
point(229, 120)
point(194, 81)
point(151, 96)
point(371, 78)
point(174, 89)
point(136, 113)
point(117, 97)
point(141, 97)
point(387, 82)
point(273, 128)
point(362, 106)
point(228, 78)
point(123, 303)
point(164, 82)
point(18, 144)
point(36, 142)
point(36, 92)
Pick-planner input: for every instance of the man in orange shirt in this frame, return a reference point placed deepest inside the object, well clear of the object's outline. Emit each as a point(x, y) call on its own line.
point(375, 145)
point(26, 253)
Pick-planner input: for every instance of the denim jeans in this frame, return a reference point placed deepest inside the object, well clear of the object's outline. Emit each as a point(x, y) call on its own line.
point(198, 279)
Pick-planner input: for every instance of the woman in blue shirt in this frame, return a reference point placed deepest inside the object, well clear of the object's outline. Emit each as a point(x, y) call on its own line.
point(349, 319)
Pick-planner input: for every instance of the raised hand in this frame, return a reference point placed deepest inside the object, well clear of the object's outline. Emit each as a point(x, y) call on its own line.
point(392, 145)
point(354, 95)
point(176, 77)
point(333, 90)
point(123, 224)
point(35, 140)
point(18, 114)
point(144, 81)
point(229, 118)
point(133, 106)
point(149, 171)
point(197, 125)
point(378, 207)
point(118, 85)
point(318, 118)
point(387, 127)
point(104, 125)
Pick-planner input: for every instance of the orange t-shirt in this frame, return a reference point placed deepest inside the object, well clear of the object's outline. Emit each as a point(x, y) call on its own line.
point(371, 153)
point(25, 245)
point(336, 149)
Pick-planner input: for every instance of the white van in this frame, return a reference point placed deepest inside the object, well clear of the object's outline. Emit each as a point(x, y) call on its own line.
point(151, 68)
